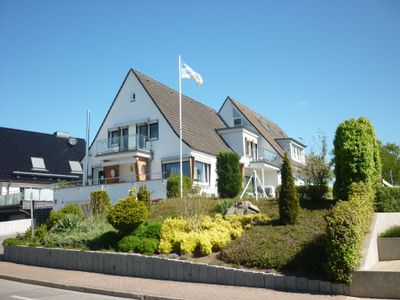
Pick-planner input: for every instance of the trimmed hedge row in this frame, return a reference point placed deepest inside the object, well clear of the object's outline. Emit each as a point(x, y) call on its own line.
point(313, 192)
point(387, 199)
point(347, 224)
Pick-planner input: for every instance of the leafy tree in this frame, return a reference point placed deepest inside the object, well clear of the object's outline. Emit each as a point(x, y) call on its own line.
point(356, 155)
point(317, 170)
point(289, 206)
point(390, 157)
point(229, 175)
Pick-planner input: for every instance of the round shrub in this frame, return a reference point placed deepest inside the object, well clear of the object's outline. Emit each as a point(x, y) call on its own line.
point(135, 244)
point(99, 202)
point(173, 186)
point(127, 215)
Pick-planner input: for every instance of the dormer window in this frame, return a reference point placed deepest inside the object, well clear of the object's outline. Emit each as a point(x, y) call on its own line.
point(75, 167)
point(237, 118)
point(38, 164)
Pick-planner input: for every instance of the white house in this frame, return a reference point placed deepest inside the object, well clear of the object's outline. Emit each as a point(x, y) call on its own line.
point(138, 142)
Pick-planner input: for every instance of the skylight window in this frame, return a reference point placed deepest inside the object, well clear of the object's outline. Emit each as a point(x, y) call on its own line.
point(75, 166)
point(266, 126)
point(38, 164)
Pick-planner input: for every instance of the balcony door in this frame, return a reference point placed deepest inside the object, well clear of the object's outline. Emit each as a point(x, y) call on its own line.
point(124, 139)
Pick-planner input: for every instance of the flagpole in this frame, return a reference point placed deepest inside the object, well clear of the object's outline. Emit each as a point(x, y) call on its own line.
point(180, 127)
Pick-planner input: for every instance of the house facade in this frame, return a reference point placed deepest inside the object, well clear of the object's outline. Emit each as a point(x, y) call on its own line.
point(138, 141)
point(32, 163)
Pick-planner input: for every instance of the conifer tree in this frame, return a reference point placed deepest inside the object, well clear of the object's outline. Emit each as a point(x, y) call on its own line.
point(289, 206)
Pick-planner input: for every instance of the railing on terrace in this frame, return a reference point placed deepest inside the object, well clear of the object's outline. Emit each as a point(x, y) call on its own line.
point(11, 199)
point(112, 180)
point(269, 157)
point(117, 144)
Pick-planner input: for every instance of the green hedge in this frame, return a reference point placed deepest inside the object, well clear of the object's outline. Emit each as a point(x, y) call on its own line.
point(173, 186)
point(313, 192)
point(347, 224)
point(387, 199)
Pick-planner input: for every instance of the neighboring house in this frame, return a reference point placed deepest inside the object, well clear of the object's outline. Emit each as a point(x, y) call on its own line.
point(31, 163)
point(138, 141)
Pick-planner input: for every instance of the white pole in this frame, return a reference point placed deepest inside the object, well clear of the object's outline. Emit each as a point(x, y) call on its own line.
point(32, 220)
point(180, 126)
point(86, 167)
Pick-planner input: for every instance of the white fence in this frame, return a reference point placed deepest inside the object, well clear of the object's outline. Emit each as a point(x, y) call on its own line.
point(157, 188)
point(14, 227)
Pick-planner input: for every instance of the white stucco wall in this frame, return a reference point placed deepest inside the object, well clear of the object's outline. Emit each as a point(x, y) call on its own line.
point(125, 112)
point(211, 187)
point(116, 191)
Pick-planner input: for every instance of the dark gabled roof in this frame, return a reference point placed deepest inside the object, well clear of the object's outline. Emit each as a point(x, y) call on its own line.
point(200, 122)
point(269, 130)
point(18, 146)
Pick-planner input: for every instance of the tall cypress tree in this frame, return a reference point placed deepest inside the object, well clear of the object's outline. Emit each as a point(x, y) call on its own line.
point(289, 206)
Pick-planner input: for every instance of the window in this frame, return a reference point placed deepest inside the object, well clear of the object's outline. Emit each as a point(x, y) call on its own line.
point(266, 126)
point(153, 131)
point(113, 137)
point(133, 97)
point(201, 172)
point(173, 169)
point(75, 166)
point(38, 164)
point(237, 118)
point(149, 130)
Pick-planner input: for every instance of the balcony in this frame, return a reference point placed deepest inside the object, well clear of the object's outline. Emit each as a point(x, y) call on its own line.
point(11, 199)
point(134, 142)
point(269, 157)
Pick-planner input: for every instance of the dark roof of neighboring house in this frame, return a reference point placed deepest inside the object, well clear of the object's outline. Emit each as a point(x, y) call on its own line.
point(200, 122)
point(18, 146)
point(269, 130)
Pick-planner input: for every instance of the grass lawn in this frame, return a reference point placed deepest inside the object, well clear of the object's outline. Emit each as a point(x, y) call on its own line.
point(288, 249)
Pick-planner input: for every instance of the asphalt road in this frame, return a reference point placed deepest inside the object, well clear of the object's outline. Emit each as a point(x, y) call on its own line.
point(12, 290)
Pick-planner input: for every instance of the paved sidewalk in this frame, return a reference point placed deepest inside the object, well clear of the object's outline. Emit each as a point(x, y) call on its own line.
point(132, 287)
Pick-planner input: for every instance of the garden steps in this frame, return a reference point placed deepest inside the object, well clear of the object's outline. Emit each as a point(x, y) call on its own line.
point(389, 265)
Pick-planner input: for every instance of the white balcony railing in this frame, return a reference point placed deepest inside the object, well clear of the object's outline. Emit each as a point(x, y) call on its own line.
point(11, 199)
point(269, 156)
point(117, 144)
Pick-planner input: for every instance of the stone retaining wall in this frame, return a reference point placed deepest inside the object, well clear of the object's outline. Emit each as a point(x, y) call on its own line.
point(137, 265)
point(389, 248)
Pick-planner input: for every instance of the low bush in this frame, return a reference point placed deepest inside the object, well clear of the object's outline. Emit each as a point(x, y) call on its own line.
point(127, 215)
point(393, 231)
point(294, 248)
point(173, 186)
point(186, 237)
point(83, 236)
point(100, 202)
point(136, 244)
point(223, 204)
point(148, 230)
point(72, 209)
point(106, 241)
point(250, 219)
point(68, 222)
point(347, 224)
point(313, 192)
point(387, 199)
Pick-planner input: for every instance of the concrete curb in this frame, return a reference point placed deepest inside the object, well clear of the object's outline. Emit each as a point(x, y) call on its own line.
point(90, 290)
point(137, 265)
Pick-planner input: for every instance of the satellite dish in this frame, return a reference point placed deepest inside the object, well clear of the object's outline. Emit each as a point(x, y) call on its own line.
point(72, 141)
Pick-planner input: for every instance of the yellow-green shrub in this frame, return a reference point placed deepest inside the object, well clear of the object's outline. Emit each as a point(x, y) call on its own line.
point(183, 236)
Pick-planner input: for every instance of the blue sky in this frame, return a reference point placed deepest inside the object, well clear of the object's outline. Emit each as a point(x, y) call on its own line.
point(306, 65)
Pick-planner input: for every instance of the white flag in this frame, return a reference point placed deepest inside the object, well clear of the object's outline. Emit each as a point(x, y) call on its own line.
point(187, 72)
